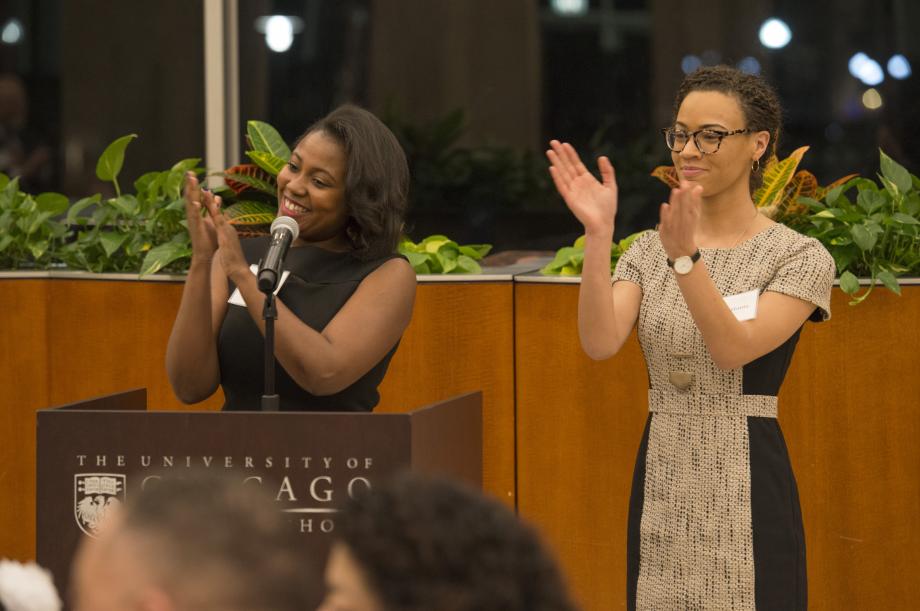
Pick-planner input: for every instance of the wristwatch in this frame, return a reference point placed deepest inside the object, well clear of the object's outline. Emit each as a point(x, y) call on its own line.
point(683, 265)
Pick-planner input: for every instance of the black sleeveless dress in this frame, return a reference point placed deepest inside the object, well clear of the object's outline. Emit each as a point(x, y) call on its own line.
point(319, 284)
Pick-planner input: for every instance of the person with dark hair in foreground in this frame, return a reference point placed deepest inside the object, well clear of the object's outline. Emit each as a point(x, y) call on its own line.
point(192, 543)
point(348, 298)
point(719, 293)
point(422, 544)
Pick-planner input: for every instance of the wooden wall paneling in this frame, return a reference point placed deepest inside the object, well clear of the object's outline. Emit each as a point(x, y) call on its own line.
point(850, 412)
point(23, 390)
point(111, 335)
point(579, 426)
point(460, 340)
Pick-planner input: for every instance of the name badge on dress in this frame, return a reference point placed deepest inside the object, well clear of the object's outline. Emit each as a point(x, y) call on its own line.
point(237, 298)
point(743, 305)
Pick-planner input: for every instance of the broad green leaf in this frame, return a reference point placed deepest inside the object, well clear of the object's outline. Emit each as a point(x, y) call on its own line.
point(580, 241)
point(468, 265)
point(417, 261)
point(434, 243)
point(888, 279)
point(848, 283)
point(4, 180)
point(834, 194)
point(55, 203)
point(870, 201)
point(37, 249)
point(5, 241)
point(111, 241)
point(144, 183)
point(160, 256)
point(268, 162)
point(265, 138)
point(864, 238)
point(827, 214)
point(126, 204)
point(895, 172)
point(185, 165)
point(475, 251)
point(36, 222)
point(173, 184)
point(112, 158)
point(906, 219)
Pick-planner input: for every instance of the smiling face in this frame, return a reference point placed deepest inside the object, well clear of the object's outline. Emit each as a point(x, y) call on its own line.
point(728, 169)
point(311, 190)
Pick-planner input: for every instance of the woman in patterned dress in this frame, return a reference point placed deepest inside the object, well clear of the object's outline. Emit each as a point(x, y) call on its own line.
point(714, 519)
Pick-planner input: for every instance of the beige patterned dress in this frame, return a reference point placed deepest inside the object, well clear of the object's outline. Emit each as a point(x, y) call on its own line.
point(714, 513)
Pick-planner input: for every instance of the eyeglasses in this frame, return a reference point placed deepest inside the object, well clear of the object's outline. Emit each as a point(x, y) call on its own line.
point(707, 141)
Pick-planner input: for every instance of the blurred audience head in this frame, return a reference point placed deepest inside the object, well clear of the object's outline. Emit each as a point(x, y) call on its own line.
point(26, 587)
point(422, 544)
point(194, 542)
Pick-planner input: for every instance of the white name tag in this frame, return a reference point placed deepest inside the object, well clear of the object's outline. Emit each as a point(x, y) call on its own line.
point(237, 298)
point(743, 305)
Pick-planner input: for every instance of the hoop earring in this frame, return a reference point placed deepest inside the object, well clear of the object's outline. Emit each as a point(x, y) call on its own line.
point(755, 166)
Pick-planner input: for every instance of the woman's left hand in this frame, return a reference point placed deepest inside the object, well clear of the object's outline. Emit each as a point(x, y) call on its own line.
point(229, 252)
point(680, 218)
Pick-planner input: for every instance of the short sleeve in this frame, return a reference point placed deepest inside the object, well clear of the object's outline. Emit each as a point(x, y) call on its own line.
point(807, 273)
point(629, 266)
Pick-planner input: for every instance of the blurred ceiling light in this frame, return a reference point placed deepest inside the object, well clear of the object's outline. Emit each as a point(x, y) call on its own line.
point(690, 63)
point(749, 65)
point(866, 69)
point(569, 8)
point(12, 32)
point(872, 99)
point(775, 34)
point(279, 31)
point(899, 67)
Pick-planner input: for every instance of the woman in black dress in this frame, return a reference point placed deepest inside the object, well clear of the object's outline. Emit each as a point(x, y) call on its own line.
point(719, 293)
point(348, 297)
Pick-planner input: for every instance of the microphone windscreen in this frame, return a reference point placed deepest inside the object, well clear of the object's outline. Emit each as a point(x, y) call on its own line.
point(288, 223)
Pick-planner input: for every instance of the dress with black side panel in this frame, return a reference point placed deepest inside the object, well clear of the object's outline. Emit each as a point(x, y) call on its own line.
point(319, 284)
point(714, 517)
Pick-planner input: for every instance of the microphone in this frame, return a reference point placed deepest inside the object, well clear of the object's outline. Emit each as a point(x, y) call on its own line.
point(284, 231)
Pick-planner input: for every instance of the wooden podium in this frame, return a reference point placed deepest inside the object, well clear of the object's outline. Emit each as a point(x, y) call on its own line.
point(94, 454)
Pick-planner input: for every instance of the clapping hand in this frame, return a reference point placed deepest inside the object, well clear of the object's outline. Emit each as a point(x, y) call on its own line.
point(200, 227)
point(680, 218)
point(593, 203)
point(213, 232)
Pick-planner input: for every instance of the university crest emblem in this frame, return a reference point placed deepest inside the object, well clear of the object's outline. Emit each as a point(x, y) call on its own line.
point(93, 495)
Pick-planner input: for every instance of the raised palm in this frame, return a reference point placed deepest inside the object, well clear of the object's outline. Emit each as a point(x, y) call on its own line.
point(593, 202)
point(200, 228)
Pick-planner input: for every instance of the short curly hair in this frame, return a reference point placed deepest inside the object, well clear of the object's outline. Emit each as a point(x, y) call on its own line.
point(376, 179)
point(759, 103)
point(426, 543)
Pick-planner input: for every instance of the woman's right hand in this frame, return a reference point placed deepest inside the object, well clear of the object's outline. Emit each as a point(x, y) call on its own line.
point(593, 203)
point(200, 228)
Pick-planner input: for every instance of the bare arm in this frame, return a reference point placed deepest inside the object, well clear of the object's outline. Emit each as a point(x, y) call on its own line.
point(731, 343)
point(605, 316)
point(357, 338)
point(191, 354)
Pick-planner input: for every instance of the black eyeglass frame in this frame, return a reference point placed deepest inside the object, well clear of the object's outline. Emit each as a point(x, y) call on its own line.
point(692, 135)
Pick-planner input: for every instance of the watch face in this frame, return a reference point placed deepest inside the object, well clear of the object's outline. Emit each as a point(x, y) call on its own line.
point(683, 265)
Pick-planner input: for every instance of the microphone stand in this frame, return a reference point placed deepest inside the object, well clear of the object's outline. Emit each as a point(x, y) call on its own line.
point(270, 400)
